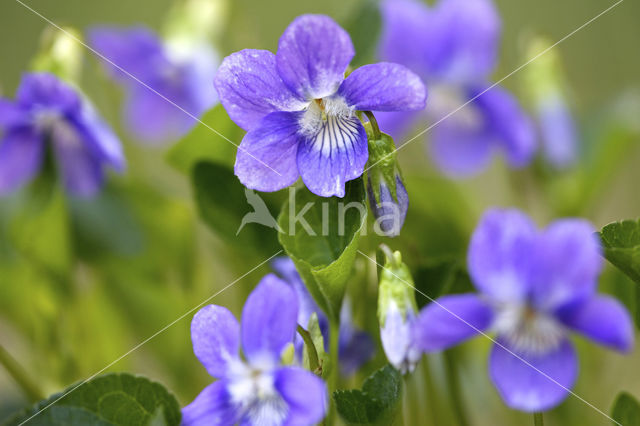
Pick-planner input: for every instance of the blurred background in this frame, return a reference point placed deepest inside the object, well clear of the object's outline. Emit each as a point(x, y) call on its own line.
point(82, 285)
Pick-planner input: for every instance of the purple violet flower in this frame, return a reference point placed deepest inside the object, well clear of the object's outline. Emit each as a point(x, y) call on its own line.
point(49, 114)
point(299, 109)
point(181, 74)
point(535, 288)
point(355, 347)
point(453, 47)
point(256, 390)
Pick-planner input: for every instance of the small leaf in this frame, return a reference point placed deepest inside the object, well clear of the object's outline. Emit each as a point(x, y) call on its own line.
point(108, 400)
point(321, 236)
point(203, 144)
point(626, 410)
point(375, 403)
point(225, 204)
point(621, 242)
point(318, 345)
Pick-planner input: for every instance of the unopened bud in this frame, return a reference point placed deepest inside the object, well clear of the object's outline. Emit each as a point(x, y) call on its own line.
point(388, 197)
point(396, 312)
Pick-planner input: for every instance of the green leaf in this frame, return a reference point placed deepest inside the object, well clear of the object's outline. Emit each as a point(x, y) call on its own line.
point(318, 345)
point(621, 241)
point(375, 403)
point(224, 203)
point(321, 236)
point(204, 144)
point(626, 410)
point(364, 26)
point(108, 400)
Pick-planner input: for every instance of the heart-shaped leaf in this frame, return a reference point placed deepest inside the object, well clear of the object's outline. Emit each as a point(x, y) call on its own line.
point(321, 236)
point(108, 400)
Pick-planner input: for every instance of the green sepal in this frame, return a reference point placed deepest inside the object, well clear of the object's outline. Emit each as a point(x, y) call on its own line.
point(395, 284)
point(382, 160)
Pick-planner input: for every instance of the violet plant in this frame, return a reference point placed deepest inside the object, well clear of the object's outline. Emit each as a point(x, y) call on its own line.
point(352, 326)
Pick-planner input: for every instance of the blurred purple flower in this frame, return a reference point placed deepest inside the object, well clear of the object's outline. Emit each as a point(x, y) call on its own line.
point(558, 131)
point(299, 110)
point(356, 347)
point(453, 47)
point(257, 390)
point(49, 114)
point(535, 288)
point(182, 74)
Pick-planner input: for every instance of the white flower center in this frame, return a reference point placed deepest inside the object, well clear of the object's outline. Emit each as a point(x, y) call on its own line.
point(253, 390)
point(445, 99)
point(323, 111)
point(528, 330)
point(45, 119)
point(52, 123)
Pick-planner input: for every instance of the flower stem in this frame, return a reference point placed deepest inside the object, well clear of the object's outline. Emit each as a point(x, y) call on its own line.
point(18, 373)
point(537, 419)
point(431, 390)
point(454, 388)
point(334, 338)
point(312, 352)
point(374, 124)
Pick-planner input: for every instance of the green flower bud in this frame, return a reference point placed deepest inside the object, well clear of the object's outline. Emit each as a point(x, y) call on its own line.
point(396, 312)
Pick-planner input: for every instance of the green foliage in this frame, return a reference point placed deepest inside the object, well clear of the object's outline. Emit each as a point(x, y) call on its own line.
point(223, 202)
point(109, 400)
point(621, 241)
point(626, 410)
point(324, 250)
point(375, 403)
point(204, 144)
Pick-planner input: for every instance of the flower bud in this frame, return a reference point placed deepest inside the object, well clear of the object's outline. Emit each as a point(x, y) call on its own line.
point(388, 197)
point(396, 312)
point(196, 19)
point(60, 54)
point(546, 90)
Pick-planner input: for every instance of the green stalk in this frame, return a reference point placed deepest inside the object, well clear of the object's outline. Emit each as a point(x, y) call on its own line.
point(431, 390)
point(334, 330)
point(407, 403)
point(455, 393)
point(20, 376)
point(374, 124)
point(537, 419)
